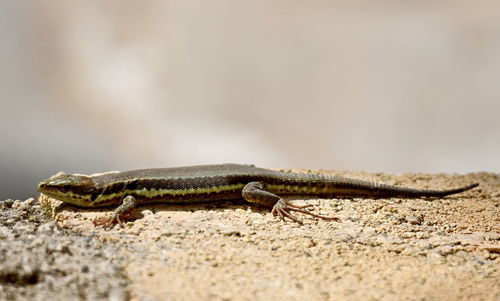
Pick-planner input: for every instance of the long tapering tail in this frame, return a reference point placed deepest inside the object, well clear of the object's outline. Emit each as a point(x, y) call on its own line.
point(320, 184)
point(396, 191)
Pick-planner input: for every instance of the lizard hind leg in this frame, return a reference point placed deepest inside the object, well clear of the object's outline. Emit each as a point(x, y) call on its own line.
point(254, 192)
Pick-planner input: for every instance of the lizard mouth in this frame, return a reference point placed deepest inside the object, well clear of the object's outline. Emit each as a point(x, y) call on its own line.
point(49, 190)
point(43, 187)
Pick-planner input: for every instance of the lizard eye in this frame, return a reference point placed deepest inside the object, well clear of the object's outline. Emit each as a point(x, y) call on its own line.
point(66, 188)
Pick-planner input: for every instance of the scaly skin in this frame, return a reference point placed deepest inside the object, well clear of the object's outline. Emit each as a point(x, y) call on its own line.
point(214, 183)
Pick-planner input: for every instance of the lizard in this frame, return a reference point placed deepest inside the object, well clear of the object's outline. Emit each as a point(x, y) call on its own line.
point(219, 182)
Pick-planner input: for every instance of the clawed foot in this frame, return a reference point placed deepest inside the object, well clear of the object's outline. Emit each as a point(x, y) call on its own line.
point(118, 218)
point(284, 209)
point(107, 222)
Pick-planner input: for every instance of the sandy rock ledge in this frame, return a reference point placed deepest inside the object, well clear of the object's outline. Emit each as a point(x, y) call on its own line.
point(390, 249)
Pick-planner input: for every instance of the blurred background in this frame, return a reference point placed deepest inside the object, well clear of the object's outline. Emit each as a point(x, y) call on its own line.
point(390, 86)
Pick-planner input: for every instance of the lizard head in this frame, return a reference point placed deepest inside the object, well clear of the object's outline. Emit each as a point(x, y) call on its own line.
point(77, 190)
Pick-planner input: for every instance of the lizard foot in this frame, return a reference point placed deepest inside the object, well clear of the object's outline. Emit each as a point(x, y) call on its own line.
point(284, 209)
point(117, 218)
point(107, 222)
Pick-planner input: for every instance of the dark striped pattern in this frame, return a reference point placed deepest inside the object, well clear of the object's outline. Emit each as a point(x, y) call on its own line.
point(213, 182)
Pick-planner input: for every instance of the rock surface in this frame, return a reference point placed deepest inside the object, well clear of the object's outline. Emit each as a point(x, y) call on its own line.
point(391, 249)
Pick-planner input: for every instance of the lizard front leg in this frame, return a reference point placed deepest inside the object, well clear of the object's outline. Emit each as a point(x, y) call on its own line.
point(129, 202)
point(254, 192)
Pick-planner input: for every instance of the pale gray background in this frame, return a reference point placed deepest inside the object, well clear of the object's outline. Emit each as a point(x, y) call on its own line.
point(394, 86)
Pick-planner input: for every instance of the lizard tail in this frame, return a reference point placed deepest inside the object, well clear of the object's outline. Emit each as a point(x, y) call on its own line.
point(336, 186)
point(395, 191)
point(357, 188)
